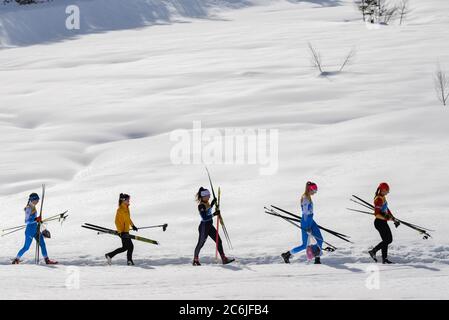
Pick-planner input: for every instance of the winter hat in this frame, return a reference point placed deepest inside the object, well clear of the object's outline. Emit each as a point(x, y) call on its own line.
point(33, 197)
point(312, 186)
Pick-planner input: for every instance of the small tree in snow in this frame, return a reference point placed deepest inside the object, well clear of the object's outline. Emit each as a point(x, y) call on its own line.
point(442, 86)
point(387, 12)
point(377, 11)
point(403, 10)
point(369, 8)
point(316, 58)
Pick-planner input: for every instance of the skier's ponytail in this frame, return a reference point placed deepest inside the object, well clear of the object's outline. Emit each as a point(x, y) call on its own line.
point(309, 186)
point(203, 192)
point(198, 194)
point(123, 197)
point(377, 193)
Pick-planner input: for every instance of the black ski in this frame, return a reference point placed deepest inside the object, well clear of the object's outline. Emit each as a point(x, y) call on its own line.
point(334, 233)
point(330, 248)
point(368, 205)
point(114, 232)
point(225, 231)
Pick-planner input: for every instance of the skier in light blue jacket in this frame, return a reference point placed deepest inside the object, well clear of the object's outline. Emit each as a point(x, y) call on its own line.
point(32, 220)
point(309, 228)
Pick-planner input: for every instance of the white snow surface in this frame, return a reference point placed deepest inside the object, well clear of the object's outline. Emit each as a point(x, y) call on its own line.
point(90, 114)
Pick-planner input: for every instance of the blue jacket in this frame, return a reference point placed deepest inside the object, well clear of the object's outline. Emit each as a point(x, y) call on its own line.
point(307, 213)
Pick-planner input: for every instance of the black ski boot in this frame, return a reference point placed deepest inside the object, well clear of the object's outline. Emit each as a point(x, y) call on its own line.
point(16, 261)
point(49, 261)
point(386, 261)
point(286, 256)
point(226, 260)
point(372, 255)
point(317, 260)
point(196, 262)
point(130, 263)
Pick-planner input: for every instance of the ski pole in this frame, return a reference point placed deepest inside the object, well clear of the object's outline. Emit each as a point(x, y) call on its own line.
point(342, 237)
point(12, 228)
point(225, 231)
point(163, 226)
point(332, 247)
point(361, 204)
point(365, 202)
point(410, 225)
point(372, 207)
point(5, 234)
point(335, 233)
point(39, 227)
point(217, 236)
point(53, 218)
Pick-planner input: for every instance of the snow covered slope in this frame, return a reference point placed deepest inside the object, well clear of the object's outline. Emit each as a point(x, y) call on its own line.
point(45, 22)
point(92, 117)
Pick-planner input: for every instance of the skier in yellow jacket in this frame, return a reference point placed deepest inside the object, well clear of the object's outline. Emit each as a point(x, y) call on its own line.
point(123, 224)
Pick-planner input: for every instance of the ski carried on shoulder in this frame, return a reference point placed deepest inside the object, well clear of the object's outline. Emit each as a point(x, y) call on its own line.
point(114, 232)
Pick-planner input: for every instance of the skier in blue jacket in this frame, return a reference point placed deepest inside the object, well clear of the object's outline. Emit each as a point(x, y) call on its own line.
point(32, 220)
point(309, 227)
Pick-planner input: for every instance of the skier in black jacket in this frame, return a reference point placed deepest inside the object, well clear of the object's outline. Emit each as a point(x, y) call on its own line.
point(206, 227)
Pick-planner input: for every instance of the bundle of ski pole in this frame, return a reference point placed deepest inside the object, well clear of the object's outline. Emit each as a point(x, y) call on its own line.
point(367, 205)
point(60, 217)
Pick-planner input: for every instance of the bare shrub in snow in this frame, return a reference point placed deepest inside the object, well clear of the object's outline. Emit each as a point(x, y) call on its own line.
point(403, 10)
point(316, 58)
point(317, 61)
point(367, 8)
point(387, 12)
point(348, 59)
point(377, 11)
point(442, 86)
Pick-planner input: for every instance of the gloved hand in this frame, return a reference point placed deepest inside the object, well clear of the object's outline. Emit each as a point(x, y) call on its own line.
point(38, 219)
point(396, 223)
point(135, 228)
point(217, 213)
point(214, 202)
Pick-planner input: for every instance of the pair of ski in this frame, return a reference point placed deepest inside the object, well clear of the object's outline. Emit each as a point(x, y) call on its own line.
point(220, 220)
point(292, 218)
point(101, 230)
point(363, 203)
point(60, 217)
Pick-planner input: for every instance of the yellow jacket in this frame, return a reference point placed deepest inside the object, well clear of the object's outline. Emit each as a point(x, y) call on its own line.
point(123, 219)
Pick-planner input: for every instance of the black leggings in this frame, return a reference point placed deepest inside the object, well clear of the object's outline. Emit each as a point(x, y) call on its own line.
point(207, 229)
point(385, 234)
point(127, 245)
